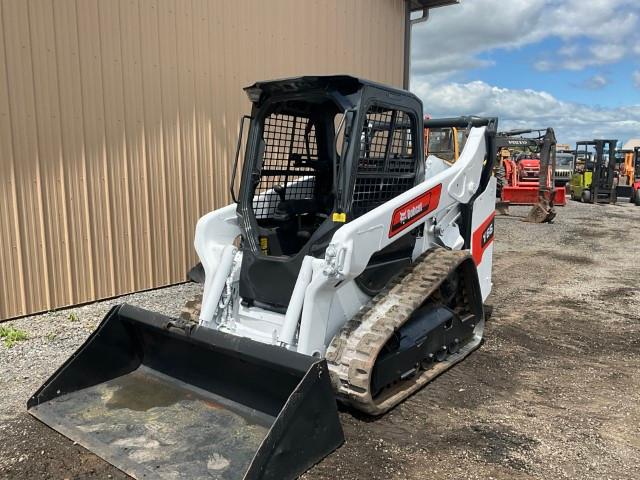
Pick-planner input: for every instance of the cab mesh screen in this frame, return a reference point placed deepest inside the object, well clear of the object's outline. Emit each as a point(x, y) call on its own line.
point(290, 152)
point(387, 161)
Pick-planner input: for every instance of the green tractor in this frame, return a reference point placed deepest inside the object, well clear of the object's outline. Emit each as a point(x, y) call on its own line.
point(593, 179)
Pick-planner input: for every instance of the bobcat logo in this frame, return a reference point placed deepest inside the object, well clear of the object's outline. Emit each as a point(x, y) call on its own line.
point(409, 214)
point(415, 209)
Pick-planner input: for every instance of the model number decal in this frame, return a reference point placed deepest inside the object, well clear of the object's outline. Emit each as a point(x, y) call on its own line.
point(414, 210)
point(482, 237)
point(487, 235)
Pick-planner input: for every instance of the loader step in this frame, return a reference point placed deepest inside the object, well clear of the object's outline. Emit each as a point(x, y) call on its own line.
point(355, 354)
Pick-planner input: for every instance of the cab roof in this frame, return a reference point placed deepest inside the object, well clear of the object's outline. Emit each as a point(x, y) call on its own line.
point(344, 84)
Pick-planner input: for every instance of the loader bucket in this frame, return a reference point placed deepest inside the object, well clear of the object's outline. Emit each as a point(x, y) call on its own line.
point(161, 398)
point(541, 212)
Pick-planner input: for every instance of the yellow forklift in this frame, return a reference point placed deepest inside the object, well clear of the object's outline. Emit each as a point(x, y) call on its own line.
point(594, 176)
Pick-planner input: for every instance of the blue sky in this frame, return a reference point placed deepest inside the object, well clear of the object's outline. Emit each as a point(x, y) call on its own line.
point(570, 64)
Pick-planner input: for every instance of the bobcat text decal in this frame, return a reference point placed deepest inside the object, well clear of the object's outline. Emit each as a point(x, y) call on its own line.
point(414, 210)
point(482, 237)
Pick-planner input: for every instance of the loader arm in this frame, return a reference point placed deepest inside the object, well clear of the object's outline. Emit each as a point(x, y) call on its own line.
point(214, 237)
point(423, 203)
point(428, 203)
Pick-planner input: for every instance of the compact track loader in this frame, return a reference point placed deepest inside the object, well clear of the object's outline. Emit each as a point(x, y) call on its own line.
point(349, 267)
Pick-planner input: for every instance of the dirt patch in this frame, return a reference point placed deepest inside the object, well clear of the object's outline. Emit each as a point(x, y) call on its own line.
point(590, 232)
point(617, 294)
point(579, 259)
point(29, 449)
point(618, 216)
point(567, 303)
point(496, 444)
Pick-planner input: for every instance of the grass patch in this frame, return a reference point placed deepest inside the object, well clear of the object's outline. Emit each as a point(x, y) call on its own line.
point(73, 317)
point(11, 335)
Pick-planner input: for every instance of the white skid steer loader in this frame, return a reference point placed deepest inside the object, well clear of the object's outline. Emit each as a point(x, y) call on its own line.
point(349, 267)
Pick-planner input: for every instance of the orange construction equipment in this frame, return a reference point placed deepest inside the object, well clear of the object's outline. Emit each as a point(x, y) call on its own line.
point(527, 177)
point(523, 179)
point(630, 179)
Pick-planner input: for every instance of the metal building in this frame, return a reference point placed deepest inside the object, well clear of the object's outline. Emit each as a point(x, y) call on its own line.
point(118, 119)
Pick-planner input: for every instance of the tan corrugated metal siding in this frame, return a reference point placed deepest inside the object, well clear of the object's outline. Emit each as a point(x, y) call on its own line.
point(118, 120)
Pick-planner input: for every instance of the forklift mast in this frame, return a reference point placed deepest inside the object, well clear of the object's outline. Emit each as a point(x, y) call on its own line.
point(602, 168)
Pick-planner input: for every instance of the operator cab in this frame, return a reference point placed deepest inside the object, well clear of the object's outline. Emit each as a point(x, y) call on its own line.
point(293, 185)
point(321, 151)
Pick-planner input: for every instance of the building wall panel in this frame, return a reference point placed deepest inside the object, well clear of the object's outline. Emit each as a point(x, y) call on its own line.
point(11, 275)
point(118, 125)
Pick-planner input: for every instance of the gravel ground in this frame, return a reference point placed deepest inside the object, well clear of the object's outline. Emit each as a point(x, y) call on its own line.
point(54, 336)
point(554, 392)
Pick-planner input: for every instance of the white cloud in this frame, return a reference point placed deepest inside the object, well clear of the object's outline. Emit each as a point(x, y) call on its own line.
point(595, 82)
point(453, 38)
point(529, 109)
point(544, 65)
point(599, 54)
point(447, 64)
point(591, 33)
point(601, 19)
point(568, 50)
point(468, 29)
point(580, 58)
